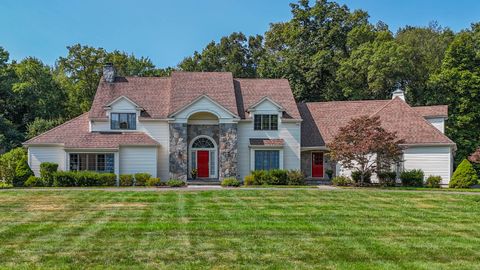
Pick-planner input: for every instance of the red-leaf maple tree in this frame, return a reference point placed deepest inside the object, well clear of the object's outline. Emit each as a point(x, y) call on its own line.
point(364, 145)
point(475, 157)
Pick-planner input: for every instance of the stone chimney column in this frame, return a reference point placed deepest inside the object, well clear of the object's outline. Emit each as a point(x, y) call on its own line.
point(398, 93)
point(109, 72)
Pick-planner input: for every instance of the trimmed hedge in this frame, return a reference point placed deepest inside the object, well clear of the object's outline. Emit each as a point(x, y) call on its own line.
point(412, 178)
point(46, 172)
point(141, 178)
point(33, 181)
point(342, 181)
point(126, 180)
point(153, 182)
point(83, 179)
point(433, 181)
point(176, 183)
point(275, 177)
point(230, 182)
point(464, 176)
point(387, 179)
point(357, 176)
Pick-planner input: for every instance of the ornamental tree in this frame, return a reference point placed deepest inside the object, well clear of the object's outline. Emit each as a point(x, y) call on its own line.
point(364, 145)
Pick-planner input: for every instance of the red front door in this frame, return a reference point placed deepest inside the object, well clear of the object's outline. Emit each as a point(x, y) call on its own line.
point(317, 164)
point(202, 163)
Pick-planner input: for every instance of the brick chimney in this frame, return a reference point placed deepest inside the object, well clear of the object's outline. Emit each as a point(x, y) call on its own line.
point(398, 93)
point(109, 72)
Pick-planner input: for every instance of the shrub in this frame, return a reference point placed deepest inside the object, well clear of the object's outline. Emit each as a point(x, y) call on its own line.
point(9, 162)
point(4, 185)
point(141, 178)
point(329, 173)
point(357, 176)
point(64, 179)
point(46, 172)
point(295, 178)
point(248, 180)
point(277, 177)
point(126, 180)
point(387, 179)
point(107, 179)
point(33, 181)
point(464, 176)
point(342, 181)
point(230, 182)
point(176, 183)
point(433, 181)
point(260, 177)
point(86, 179)
point(22, 173)
point(153, 182)
point(412, 178)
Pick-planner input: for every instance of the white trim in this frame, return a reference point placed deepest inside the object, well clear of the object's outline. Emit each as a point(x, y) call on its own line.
point(311, 164)
point(251, 108)
point(199, 98)
point(108, 105)
point(252, 157)
point(216, 155)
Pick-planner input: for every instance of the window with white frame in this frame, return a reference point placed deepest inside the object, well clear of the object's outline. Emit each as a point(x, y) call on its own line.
point(92, 162)
point(204, 143)
point(267, 159)
point(265, 122)
point(127, 121)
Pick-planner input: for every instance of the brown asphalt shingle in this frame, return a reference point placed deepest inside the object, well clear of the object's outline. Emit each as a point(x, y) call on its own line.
point(432, 111)
point(266, 142)
point(75, 134)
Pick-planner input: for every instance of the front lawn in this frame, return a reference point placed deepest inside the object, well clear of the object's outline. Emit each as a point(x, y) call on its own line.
point(224, 229)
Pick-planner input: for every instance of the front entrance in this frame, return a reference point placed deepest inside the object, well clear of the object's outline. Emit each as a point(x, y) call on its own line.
point(203, 164)
point(317, 164)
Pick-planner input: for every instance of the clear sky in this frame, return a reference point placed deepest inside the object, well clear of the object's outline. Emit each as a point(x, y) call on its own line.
point(167, 31)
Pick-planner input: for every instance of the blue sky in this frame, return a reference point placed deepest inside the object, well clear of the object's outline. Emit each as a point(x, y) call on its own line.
point(168, 31)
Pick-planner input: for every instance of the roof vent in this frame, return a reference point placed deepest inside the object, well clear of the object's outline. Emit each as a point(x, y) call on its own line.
point(109, 72)
point(398, 93)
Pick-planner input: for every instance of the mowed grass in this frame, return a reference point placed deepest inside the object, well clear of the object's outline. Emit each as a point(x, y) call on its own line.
point(239, 229)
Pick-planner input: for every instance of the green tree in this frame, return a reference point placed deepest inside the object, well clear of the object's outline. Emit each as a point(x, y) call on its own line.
point(464, 176)
point(9, 162)
point(40, 125)
point(235, 53)
point(22, 173)
point(9, 135)
point(458, 85)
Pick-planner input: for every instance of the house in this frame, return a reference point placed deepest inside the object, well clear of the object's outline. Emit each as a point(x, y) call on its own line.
point(225, 127)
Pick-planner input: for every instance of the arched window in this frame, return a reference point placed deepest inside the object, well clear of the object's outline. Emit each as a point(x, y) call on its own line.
point(203, 142)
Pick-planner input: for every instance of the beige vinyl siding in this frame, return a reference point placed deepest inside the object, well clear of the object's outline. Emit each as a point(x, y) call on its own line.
point(434, 160)
point(39, 154)
point(137, 159)
point(290, 132)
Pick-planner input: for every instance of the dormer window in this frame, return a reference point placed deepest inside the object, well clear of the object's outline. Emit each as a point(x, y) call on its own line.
point(123, 121)
point(265, 122)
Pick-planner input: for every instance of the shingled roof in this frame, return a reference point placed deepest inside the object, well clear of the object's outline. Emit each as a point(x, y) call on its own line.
point(432, 111)
point(160, 97)
point(75, 134)
point(322, 120)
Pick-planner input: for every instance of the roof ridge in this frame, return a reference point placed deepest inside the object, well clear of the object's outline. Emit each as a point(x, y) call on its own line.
point(348, 101)
point(55, 128)
point(419, 116)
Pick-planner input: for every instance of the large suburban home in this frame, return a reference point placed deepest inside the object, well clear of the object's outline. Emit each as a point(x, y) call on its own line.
point(222, 126)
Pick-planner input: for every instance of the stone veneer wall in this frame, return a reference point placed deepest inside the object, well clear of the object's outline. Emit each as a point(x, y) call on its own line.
point(228, 151)
point(178, 151)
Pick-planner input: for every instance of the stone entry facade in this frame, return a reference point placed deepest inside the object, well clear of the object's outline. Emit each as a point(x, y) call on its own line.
point(224, 135)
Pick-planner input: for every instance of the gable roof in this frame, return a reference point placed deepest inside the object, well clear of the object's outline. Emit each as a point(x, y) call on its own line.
point(75, 134)
point(160, 97)
point(251, 91)
point(432, 111)
point(322, 120)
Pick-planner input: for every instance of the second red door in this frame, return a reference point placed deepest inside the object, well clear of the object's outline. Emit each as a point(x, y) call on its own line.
point(203, 163)
point(317, 164)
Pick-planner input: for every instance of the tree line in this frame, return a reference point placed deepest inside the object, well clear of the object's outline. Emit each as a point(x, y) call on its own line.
point(326, 51)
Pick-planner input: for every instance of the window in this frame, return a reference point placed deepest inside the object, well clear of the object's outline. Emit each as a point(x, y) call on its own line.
point(267, 159)
point(265, 122)
point(203, 142)
point(123, 121)
point(92, 162)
